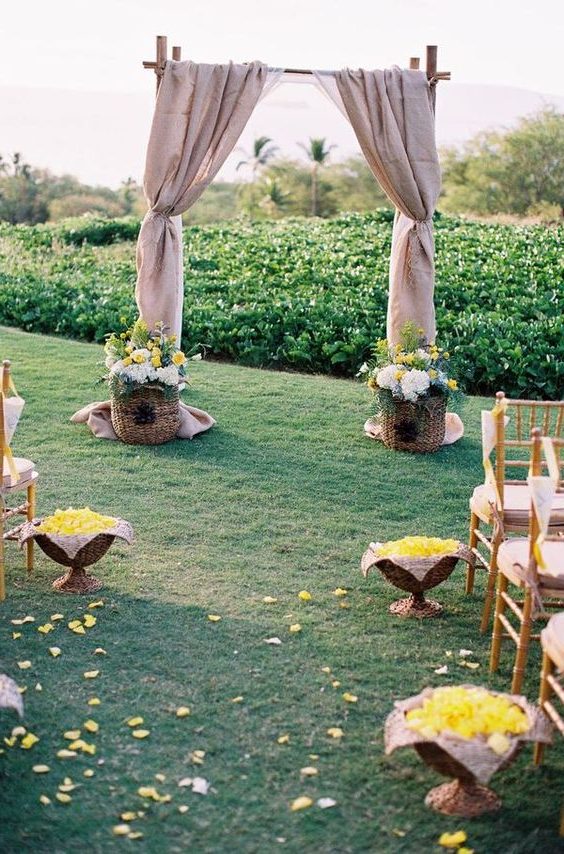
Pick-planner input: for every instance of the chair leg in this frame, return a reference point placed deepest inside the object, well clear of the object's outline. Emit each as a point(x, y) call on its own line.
point(490, 589)
point(472, 544)
point(30, 515)
point(497, 627)
point(2, 580)
point(545, 692)
point(523, 645)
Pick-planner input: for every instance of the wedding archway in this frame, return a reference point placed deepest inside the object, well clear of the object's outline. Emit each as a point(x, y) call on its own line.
point(200, 113)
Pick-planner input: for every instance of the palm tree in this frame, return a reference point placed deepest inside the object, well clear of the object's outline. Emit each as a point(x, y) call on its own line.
point(317, 153)
point(262, 153)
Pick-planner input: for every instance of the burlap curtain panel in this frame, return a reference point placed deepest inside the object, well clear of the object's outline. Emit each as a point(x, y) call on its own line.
point(201, 111)
point(392, 115)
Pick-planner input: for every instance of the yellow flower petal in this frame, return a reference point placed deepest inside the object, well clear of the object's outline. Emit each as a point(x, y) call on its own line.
point(498, 743)
point(182, 712)
point(349, 698)
point(183, 808)
point(99, 651)
point(72, 734)
point(237, 699)
point(304, 596)
point(269, 600)
point(140, 733)
point(294, 628)
point(121, 829)
point(91, 726)
point(74, 624)
point(135, 834)
point(128, 816)
point(43, 799)
point(40, 769)
point(79, 630)
point(98, 604)
point(160, 777)
point(91, 674)
point(452, 840)
point(16, 635)
point(335, 732)
point(28, 741)
point(24, 665)
point(335, 683)
point(326, 669)
point(46, 628)
point(301, 803)
point(94, 701)
point(214, 618)
point(66, 754)
point(283, 739)
point(340, 591)
point(56, 617)
point(309, 771)
point(55, 651)
point(135, 721)
point(63, 798)
point(88, 772)
point(89, 620)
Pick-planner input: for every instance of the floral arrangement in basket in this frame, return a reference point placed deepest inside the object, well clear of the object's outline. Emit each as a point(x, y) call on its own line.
point(466, 732)
point(138, 356)
point(412, 384)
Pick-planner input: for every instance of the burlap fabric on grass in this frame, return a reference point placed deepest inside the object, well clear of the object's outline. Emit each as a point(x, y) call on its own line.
point(10, 697)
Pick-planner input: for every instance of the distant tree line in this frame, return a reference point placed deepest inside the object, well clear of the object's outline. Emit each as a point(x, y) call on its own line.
point(519, 172)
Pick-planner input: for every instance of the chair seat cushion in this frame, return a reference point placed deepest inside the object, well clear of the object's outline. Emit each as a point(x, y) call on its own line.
point(517, 502)
point(513, 560)
point(24, 468)
point(552, 639)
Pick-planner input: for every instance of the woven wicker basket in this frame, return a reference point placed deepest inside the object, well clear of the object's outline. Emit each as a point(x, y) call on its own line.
point(146, 417)
point(415, 427)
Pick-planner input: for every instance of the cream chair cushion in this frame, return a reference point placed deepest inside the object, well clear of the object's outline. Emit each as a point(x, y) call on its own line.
point(25, 469)
point(516, 505)
point(552, 639)
point(513, 560)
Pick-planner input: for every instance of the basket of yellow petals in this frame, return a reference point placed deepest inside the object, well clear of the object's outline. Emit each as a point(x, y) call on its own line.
point(466, 732)
point(415, 564)
point(76, 538)
point(145, 370)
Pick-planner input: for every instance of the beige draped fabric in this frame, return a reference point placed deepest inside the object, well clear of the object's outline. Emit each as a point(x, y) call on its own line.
point(392, 115)
point(201, 111)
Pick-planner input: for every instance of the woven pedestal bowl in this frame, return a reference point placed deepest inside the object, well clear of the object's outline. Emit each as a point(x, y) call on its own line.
point(76, 551)
point(146, 416)
point(470, 762)
point(416, 427)
point(415, 575)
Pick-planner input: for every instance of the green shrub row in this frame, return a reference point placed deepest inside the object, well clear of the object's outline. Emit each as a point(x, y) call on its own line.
point(306, 295)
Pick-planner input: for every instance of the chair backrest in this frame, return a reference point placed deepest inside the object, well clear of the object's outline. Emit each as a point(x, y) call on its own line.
point(514, 445)
point(4, 388)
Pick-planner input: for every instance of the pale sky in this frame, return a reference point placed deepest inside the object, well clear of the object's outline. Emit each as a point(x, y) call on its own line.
point(98, 45)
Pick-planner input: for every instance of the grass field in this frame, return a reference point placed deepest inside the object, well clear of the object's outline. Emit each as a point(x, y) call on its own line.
point(282, 495)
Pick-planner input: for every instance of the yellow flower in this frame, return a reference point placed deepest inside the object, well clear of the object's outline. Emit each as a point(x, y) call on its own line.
point(399, 374)
point(76, 521)
point(433, 374)
point(340, 591)
point(156, 361)
point(295, 627)
point(417, 547)
point(335, 732)
point(138, 358)
point(452, 840)
point(349, 698)
point(28, 741)
point(452, 384)
point(179, 358)
point(446, 355)
point(467, 712)
point(301, 803)
point(304, 596)
point(127, 361)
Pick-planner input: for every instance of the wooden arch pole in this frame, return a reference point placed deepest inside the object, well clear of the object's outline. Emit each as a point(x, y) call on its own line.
point(159, 63)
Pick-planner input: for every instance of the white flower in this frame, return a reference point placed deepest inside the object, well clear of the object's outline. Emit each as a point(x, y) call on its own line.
point(118, 367)
point(414, 384)
point(423, 355)
point(168, 375)
point(386, 377)
point(363, 369)
point(110, 360)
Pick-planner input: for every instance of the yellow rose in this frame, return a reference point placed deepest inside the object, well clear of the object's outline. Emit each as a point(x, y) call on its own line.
point(138, 358)
point(127, 361)
point(156, 361)
point(452, 384)
point(179, 358)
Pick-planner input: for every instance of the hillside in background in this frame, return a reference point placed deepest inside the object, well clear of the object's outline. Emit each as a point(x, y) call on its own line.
point(101, 138)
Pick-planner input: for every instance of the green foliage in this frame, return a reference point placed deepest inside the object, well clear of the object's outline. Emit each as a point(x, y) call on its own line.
point(520, 171)
point(307, 296)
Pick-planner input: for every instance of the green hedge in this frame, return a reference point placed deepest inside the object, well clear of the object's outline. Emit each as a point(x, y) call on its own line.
point(306, 295)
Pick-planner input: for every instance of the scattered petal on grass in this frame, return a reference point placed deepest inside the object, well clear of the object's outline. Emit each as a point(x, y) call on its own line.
point(313, 755)
point(46, 628)
point(295, 627)
point(160, 777)
point(28, 741)
point(140, 733)
point(344, 605)
point(269, 600)
point(38, 686)
point(40, 769)
point(325, 803)
point(66, 787)
point(74, 624)
point(335, 732)
point(136, 721)
point(448, 653)
point(283, 739)
point(398, 832)
point(183, 808)
point(335, 683)
point(182, 711)
point(91, 674)
point(88, 772)
point(128, 816)
point(237, 699)
point(200, 786)
point(326, 669)
point(91, 726)
point(214, 618)
point(149, 792)
point(55, 651)
point(440, 671)
point(23, 621)
point(197, 757)
point(43, 799)
point(350, 698)
point(135, 834)
point(273, 641)
point(186, 781)
point(121, 829)
point(340, 591)
point(100, 651)
point(464, 850)
point(18, 731)
point(452, 840)
point(301, 803)
point(309, 771)
point(71, 734)
point(63, 798)
point(9, 742)
point(66, 754)
point(89, 620)
point(94, 701)
point(56, 617)
point(24, 665)
point(98, 604)
point(304, 595)
point(498, 743)
point(80, 630)
point(464, 653)
point(16, 635)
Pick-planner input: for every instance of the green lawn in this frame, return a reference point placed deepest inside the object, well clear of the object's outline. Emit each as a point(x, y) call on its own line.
point(282, 495)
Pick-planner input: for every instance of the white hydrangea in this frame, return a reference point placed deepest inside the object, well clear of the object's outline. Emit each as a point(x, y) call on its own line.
point(168, 375)
point(386, 377)
point(423, 355)
point(414, 384)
